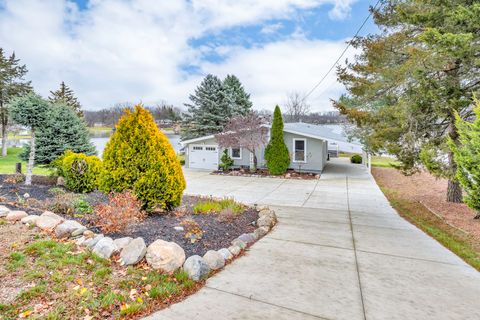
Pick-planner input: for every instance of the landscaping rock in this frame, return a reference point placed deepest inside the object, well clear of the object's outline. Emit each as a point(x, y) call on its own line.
point(30, 220)
point(260, 232)
point(61, 181)
point(90, 243)
point(265, 221)
point(227, 255)
point(65, 229)
point(122, 242)
point(4, 211)
point(196, 268)
point(80, 241)
point(105, 247)
point(133, 252)
point(48, 221)
point(235, 250)
point(165, 256)
point(16, 215)
point(78, 232)
point(239, 243)
point(214, 259)
point(247, 238)
point(88, 234)
point(268, 213)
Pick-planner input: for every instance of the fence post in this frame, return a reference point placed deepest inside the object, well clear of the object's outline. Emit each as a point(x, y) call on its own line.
point(18, 167)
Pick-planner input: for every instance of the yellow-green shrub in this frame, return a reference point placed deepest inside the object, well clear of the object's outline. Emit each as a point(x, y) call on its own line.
point(139, 157)
point(81, 172)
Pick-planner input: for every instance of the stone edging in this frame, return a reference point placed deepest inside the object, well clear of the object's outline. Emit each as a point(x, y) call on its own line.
point(160, 255)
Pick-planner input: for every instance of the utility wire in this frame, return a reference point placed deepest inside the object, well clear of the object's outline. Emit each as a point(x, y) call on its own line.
point(343, 52)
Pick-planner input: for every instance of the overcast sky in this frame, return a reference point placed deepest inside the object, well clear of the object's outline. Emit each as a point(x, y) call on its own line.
point(112, 51)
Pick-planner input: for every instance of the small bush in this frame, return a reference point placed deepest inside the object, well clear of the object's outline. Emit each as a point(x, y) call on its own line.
point(122, 210)
point(81, 172)
point(216, 206)
point(66, 203)
point(225, 161)
point(356, 158)
point(193, 231)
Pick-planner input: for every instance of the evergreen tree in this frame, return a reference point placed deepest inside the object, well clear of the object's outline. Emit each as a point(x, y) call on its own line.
point(467, 157)
point(30, 111)
point(276, 152)
point(12, 84)
point(208, 112)
point(238, 99)
point(139, 157)
point(64, 95)
point(408, 82)
point(62, 131)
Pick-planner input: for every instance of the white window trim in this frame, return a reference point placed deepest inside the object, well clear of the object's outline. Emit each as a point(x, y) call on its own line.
point(304, 151)
point(236, 158)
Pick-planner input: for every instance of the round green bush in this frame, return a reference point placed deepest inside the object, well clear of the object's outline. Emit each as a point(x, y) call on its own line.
point(81, 172)
point(356, 158)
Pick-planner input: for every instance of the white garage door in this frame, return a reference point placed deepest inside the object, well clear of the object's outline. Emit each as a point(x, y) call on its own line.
point(203, 157)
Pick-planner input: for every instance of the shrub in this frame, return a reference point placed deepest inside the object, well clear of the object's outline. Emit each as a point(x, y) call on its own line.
point(14, 178)
point(225, 161)
point(140, 157)
point(356, 158)
point(276, 152)
point(122, 210)
point(216, 206)
point(193, 231)
point(67, 203)
point(81, 172)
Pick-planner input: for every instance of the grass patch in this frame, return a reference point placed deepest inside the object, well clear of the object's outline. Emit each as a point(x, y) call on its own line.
point(216, 206)
point(7, 164)
point(384, 162)
point(72, 280)
point(455, 240)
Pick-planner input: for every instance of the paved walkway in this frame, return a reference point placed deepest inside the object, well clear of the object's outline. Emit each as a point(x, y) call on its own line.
point(339, 251)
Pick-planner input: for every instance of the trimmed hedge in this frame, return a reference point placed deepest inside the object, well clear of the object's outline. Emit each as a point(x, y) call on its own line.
point(139, 157)
point(356, 158)
point(81, 172)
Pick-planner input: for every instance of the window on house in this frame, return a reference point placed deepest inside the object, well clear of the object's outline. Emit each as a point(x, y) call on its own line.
point(210, 148)
point(197, 148)
point(236, 153)
point(299, 150)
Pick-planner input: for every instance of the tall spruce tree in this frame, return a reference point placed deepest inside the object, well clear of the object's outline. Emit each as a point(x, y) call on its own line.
point(238, 99)
point(63, 130)
point(208, 112)
point(12, 84)
point(65, 96)
point(409, 81)
point(276, 152)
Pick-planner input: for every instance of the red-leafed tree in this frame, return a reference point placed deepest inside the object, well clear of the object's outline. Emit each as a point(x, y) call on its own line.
point(245, 132)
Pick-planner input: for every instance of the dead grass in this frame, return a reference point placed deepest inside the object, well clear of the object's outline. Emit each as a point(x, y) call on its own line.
point(48, 279)
point(421, 200)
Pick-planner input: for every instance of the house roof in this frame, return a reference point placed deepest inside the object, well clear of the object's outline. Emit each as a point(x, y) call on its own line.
point(185, 142)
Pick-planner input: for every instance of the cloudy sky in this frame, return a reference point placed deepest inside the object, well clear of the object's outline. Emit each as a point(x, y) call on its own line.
point(112, 51)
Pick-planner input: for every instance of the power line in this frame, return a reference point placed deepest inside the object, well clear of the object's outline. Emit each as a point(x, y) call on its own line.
point(343, 52)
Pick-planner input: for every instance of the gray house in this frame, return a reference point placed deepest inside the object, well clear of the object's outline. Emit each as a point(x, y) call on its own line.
point(308, 150)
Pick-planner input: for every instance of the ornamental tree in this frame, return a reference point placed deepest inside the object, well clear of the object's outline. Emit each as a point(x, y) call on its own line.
point(30, 111)
point(62, 131)
point(467, 156)
point(276, 152)
point(244, 132)
point(65, 96)
point(140, 158)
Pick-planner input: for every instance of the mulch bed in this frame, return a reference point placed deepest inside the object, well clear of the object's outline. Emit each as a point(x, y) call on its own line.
point(217, 234)
point(264, 173)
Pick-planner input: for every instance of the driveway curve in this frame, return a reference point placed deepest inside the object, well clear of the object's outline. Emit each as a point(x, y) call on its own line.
point(339, 251)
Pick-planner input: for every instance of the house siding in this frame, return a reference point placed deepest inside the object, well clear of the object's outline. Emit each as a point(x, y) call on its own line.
point(316, 153)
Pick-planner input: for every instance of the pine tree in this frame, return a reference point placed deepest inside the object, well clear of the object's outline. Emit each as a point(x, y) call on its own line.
point(12, 84)
point(30, 111)
point(276, 152)
point(467, 157)
point(208, 112)
point(139, 157)
point(66, 96)
point(408, 82)
point(239, 100)
point(62, 131)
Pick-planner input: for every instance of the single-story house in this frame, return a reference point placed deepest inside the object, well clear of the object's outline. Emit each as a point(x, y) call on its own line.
point(308, 150)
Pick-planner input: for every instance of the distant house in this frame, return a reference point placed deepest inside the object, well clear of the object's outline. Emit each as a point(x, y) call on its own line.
point(307, 145)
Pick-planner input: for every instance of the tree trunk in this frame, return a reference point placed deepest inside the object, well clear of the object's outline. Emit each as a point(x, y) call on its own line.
point(454, 192)
point(31, 160)
point(4, 140)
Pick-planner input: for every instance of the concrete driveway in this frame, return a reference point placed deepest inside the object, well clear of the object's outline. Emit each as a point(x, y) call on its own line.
point(339, 251)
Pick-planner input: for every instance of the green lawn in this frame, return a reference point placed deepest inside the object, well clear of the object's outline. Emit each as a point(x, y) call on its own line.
point(7, 164)
point(377, 161)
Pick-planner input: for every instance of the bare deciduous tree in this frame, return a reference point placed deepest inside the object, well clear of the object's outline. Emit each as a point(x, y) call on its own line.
point(296, 107)
point(245, 132)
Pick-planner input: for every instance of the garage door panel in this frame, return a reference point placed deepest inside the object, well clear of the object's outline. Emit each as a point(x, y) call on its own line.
point(203, 157)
